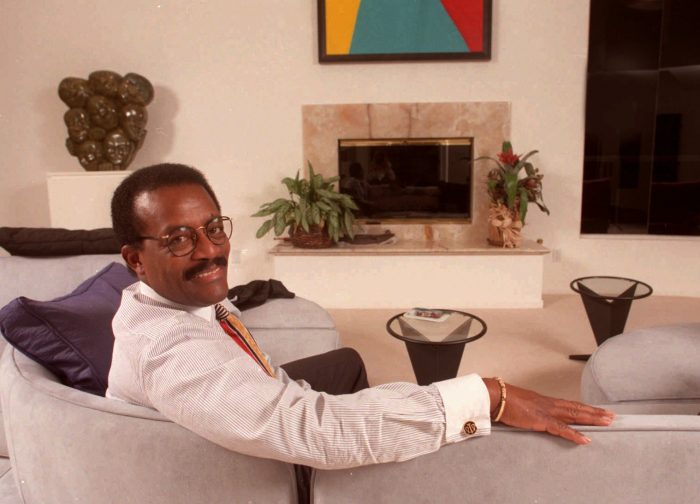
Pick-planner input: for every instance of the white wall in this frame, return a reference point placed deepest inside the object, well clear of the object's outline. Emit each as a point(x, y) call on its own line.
point(231, 77)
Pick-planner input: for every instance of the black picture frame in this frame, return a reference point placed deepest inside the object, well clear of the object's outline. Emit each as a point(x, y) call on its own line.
point(481, 35)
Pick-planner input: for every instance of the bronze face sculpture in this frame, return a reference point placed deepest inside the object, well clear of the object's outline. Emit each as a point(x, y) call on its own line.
point(103, 112)
point(74, 91)
point(135, 89)
point(118, 149)
point(78, 124)
point(107, 117)
point(133, 119)
point(89, 153)
point(105, 83)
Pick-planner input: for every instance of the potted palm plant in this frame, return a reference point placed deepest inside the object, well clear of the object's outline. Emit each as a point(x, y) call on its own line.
point(315, 215)
point(512, 186)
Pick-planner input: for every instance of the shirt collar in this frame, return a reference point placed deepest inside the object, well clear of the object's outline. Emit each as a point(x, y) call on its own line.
point(205, 312)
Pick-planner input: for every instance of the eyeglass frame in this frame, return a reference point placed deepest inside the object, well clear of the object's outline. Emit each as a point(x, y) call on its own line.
point(194, 236)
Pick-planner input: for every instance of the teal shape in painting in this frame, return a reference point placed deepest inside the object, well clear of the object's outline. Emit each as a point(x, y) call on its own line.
point(405, 26)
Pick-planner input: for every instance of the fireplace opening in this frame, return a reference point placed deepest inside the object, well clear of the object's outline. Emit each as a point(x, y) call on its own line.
point(417, 178)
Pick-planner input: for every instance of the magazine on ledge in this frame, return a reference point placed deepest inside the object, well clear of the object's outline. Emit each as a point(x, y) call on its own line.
point(429, 314)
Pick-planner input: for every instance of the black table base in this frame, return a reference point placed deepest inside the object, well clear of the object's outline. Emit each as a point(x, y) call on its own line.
point(580, 357)
point(607, 315)
point(437, 357)
point(433, 363)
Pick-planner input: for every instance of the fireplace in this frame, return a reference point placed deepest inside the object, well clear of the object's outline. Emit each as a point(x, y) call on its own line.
point(487, 124)
point(408, 178)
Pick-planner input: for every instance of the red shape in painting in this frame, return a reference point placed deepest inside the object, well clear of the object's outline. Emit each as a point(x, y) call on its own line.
point(468, 17)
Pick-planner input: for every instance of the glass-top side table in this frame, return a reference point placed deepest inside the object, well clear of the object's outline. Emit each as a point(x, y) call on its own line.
point(436, 348)
point(607, 300)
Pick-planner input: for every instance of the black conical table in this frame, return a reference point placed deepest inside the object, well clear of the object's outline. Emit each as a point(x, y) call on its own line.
point(607, 300)
point(436, 348)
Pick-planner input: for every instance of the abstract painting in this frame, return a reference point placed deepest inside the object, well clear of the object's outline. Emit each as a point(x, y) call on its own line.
point(401, 30)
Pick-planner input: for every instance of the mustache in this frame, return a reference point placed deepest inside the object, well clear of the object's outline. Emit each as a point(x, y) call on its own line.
point(198, 268)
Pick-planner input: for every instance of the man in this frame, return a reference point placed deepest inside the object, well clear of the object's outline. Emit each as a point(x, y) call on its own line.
point(171, 354)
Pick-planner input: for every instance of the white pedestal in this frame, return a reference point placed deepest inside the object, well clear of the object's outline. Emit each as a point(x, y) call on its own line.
point(406, 275)
point(81, 200)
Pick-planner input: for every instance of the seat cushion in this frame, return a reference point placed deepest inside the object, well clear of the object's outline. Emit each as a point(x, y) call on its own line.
point(71, 336)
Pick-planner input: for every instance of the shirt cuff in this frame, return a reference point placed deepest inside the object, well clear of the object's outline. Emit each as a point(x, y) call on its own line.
point(467, 407)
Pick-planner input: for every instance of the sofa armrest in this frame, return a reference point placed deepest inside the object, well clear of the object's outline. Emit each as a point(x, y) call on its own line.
point(640, 458)
point(650, 364)
point(291, 329)
point(71, 446)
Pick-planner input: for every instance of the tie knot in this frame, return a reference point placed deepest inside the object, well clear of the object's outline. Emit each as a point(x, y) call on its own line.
point(221, 312)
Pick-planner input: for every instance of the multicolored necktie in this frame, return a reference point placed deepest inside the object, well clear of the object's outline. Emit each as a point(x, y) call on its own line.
point(238, 332)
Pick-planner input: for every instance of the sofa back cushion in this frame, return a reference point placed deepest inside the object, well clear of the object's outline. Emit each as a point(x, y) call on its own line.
point(71, 335)
point(45, 278)
point(52, 242)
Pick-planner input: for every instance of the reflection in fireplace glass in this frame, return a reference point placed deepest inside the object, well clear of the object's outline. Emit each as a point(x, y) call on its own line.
point(414, 178)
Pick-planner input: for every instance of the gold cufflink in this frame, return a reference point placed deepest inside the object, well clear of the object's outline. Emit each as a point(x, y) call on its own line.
point(469, 428)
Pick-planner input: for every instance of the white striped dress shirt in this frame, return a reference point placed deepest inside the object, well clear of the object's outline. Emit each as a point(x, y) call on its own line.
point(180, 362)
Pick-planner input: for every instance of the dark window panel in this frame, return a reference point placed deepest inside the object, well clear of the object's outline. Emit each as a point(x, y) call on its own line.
point(624, 35)
point(675, 208)
point(619, 137)
point(642, 157)
point(680, 40)
point(677, 149)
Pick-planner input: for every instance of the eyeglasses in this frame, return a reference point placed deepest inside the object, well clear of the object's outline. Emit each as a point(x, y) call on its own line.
point(183, 240)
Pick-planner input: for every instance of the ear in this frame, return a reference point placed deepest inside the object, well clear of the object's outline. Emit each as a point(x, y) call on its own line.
point(132, 258)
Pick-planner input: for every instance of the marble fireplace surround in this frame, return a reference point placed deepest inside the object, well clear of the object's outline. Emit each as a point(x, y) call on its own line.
point(487, 122)
point(450, 261)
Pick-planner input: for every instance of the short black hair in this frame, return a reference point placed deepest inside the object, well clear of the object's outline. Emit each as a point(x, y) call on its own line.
point(125, 222)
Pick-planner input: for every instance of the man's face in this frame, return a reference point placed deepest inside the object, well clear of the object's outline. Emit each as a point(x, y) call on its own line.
point(196, 279)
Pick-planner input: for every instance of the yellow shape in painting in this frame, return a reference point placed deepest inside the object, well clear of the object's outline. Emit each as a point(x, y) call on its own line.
point(340, 25)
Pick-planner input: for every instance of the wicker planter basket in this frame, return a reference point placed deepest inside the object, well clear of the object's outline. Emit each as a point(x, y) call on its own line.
point(316, 238)
point(504, 227)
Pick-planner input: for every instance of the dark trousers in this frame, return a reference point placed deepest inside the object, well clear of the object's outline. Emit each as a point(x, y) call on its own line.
point(336, 372)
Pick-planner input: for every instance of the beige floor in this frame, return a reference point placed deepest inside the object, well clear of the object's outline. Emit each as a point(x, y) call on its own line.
point(527, 347)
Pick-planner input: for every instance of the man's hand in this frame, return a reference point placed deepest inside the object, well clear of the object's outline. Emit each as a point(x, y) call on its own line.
point(526, 409)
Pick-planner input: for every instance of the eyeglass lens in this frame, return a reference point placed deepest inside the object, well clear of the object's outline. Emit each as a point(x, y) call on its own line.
point(183, 240)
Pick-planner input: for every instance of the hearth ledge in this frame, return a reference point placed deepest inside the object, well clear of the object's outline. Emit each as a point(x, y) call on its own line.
point(415, 247)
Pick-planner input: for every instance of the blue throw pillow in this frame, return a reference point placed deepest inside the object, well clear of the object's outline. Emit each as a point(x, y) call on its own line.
point(71, 336)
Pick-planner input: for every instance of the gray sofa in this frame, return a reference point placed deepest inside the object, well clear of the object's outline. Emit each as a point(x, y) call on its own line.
point(70, 446)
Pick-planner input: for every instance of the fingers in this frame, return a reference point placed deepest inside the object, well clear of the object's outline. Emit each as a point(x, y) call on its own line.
point(572, 412)
point(560, 429)
point(558, 418)
point(529, 410)
point(543, 421)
